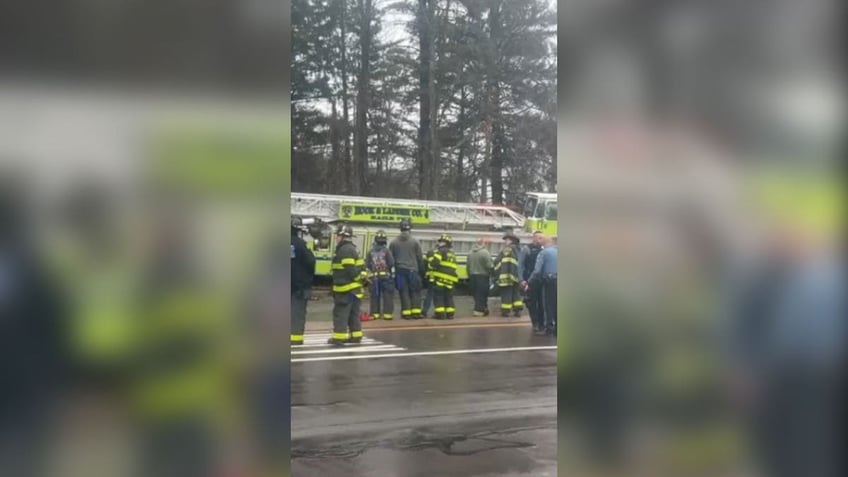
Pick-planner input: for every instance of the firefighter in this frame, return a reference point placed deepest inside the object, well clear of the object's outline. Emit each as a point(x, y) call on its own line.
point(444, 278)
point(508, 276)
point(379, 264)
point(409, 266)
point(532, 292)
point(181, 371)
point(349, 275)
point(302, 272)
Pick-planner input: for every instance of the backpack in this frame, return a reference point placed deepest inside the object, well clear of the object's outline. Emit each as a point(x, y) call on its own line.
point(378, 260)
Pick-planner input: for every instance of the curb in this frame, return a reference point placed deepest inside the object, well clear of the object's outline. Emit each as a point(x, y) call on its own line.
point(400, 324)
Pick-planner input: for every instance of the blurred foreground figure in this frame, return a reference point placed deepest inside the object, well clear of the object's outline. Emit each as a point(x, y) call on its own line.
point(179, 384)
point(788, 342)
point(606, 322)
point(32, 344)
point(268, 372)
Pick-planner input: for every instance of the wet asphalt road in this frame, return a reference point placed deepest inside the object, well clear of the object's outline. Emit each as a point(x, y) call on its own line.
point(493, 414)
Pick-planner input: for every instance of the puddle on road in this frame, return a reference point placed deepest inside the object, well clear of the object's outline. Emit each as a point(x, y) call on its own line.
point(518, 452)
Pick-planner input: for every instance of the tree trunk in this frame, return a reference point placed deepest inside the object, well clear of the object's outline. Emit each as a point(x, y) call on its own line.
point(436, 52)
point(495, 132)
point(497, 163)
point(347, 166)
point(425, 153)
point(362, 100)
point(460, 175)
point(335, 157)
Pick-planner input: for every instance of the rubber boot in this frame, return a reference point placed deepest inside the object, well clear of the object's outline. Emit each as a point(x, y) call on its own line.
point(336, 342)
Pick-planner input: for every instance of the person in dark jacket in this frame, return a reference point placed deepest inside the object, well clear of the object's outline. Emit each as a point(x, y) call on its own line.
point(544, 283)
point(379, 264)
point(532, 294)
point(33, 348)
point(349, 275)
point(786, 344)
point(409, 268)
point(302, 273)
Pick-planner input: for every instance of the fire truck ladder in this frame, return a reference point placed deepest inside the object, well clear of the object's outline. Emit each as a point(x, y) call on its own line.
point(457, 214)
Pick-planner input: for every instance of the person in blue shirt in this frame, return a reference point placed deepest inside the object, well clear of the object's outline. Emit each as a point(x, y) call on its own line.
point(545, 276)
point(786, 345)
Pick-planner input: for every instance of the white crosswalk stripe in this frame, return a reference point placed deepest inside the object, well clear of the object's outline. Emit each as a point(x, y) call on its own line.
point(315, 345)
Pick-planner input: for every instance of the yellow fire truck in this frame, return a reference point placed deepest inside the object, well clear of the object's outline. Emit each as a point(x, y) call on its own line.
point(540, 208)
point(465, 222)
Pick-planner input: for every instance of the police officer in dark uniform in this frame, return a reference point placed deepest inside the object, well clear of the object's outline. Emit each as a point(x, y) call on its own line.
point(532, 294)
point(349, 275)
point(302, 273)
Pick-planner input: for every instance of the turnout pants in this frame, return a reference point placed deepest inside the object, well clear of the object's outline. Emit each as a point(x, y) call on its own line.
point(443, 301)
point(346, 322)
point(382, 299)
point(428, 300)
point(480, 290)
point(536, 304)
point(299, 299)
point(409, 286)
point(550, 302)
point(511, 299)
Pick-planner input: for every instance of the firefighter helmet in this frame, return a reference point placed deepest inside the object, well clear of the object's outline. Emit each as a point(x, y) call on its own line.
point(381, 237)
point(344, 230)
point(512, 237)
point(405, 224)
point(445, 238)
point(296, 223)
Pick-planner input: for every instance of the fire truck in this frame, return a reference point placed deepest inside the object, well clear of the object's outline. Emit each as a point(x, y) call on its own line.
point(465, 222)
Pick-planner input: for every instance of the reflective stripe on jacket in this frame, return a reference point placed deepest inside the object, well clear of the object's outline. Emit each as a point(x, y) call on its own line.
point(443, 268)
point(506, 267)
point(348, 269)
point(428, 273)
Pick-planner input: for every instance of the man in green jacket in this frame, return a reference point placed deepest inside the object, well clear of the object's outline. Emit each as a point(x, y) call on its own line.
point(480, 268)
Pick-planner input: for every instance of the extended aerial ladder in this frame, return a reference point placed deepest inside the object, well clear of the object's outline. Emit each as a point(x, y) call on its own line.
point(455, 215)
